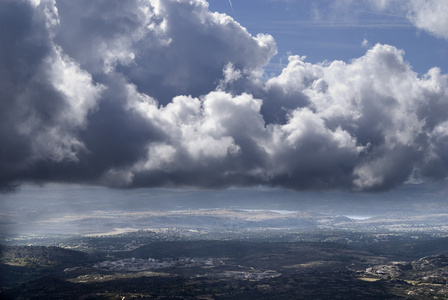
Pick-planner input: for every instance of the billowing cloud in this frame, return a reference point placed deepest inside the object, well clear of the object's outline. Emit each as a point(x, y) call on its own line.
point(165, 48)
point(430, 16)
point(152, 93)
point(427, 15)
point(45, 95)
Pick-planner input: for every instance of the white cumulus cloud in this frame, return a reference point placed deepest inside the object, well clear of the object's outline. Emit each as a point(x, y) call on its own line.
point(431, 16)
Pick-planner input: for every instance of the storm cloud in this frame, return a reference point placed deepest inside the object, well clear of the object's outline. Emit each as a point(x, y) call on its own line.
point(167, 93)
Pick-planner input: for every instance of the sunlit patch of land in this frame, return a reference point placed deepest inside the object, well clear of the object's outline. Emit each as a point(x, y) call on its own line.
point(369, 279)
point(115, 231)
point(113, 222)
point(311, 264)
point(89, 278)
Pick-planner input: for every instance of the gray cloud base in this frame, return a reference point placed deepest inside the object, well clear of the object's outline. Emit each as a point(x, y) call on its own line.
point(166, 93)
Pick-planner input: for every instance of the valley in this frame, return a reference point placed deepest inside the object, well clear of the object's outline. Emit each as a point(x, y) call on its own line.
point(256, 264)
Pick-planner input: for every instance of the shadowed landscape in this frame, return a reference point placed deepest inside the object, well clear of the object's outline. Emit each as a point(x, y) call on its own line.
point(233, 254)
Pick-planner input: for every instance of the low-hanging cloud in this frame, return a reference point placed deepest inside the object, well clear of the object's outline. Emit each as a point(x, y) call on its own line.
point(150, 93)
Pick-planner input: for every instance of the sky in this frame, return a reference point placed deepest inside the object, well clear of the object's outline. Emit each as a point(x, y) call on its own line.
point(335, 30)
point(291, 95)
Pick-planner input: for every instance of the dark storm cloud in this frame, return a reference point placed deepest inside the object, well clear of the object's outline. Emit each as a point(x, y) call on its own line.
point(31, 105)
point(165, 48)
point(166, 93)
